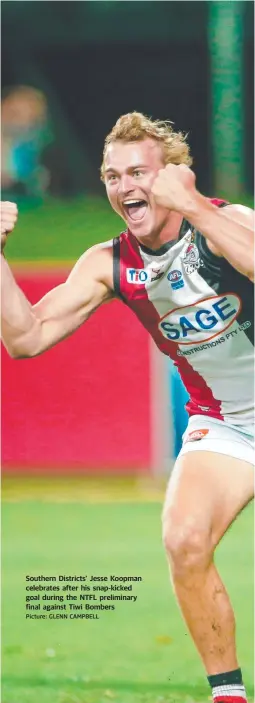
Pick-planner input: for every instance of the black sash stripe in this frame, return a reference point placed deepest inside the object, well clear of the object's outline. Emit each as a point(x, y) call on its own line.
point(223, 278)
point(116, 269)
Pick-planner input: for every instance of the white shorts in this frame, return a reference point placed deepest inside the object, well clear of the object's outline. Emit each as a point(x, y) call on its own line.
point(211, 435)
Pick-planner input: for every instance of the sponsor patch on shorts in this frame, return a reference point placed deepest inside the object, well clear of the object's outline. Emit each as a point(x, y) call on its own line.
point(196, 435)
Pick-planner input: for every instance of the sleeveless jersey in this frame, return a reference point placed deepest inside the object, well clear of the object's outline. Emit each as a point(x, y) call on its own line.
point(199, 311)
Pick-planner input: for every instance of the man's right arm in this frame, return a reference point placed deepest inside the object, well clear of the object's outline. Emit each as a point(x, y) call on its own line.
point(28, 330)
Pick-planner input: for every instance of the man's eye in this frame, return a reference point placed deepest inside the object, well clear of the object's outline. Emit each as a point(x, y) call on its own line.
point(137, 172)
point(112, 177)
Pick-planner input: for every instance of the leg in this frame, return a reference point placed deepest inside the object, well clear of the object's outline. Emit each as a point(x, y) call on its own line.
point(205, 494)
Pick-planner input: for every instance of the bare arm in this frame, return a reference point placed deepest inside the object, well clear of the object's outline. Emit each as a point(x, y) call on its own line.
point(229, 232)
point(28, 330)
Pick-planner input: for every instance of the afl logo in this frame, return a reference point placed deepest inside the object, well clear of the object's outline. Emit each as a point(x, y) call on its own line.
point(175, 278)
point(201, 322)
point(174, 275)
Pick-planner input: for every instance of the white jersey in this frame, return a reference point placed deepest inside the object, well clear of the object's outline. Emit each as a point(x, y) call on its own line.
point(199, 311)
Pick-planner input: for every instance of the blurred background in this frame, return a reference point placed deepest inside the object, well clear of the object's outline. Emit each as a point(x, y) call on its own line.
point(104, 405)
point(86, 63)
point(69, 70)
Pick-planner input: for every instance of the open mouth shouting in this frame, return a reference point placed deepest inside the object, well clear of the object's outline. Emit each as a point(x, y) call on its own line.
point(135, 208)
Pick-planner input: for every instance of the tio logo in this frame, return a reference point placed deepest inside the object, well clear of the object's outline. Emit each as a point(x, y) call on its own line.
point(137, 276)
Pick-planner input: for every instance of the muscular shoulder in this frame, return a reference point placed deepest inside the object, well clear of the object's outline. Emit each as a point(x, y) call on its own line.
point(238, 213)
point(96, 264)
point(101, 260)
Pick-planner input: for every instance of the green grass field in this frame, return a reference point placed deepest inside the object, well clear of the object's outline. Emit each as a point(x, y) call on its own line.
point(140, 653)
point(61, 230)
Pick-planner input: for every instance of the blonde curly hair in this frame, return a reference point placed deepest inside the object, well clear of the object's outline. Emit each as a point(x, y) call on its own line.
point(134, 126)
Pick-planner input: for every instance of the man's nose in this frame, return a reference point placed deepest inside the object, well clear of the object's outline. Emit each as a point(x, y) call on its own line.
point(126, 184)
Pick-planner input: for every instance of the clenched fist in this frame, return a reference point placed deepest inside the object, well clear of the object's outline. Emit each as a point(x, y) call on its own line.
point(174, 187)
point(9, 216)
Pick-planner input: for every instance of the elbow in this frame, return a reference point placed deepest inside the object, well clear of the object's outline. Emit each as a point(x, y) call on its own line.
point(20, 355)
point(14, 354)
point(22, 348)
point(20, 343)
point(25, 352)
point(17, 353)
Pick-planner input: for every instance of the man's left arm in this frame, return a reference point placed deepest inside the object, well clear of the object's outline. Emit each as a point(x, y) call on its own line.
point(229, 231)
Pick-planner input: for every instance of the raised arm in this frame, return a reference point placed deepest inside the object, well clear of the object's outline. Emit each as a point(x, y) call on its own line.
point(28, 330)
point(229, 231)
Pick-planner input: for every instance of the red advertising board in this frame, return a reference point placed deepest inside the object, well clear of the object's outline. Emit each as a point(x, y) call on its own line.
point(85, 404)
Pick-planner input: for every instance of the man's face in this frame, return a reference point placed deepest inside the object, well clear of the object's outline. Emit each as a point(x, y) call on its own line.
point(130, 169)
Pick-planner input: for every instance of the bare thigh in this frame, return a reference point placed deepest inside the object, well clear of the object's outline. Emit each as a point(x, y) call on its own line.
point(206, 492)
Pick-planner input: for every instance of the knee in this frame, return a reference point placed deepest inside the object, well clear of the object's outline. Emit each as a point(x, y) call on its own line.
point(188, 546)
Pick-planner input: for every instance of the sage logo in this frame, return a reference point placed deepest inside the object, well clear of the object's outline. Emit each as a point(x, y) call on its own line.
point(137, 276)
point(201, 321)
